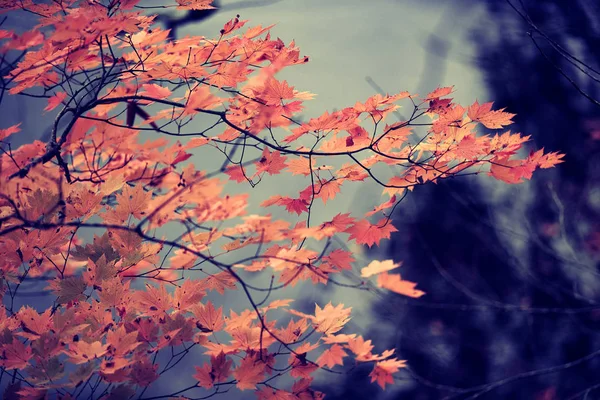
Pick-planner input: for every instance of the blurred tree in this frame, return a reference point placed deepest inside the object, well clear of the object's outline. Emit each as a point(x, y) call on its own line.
point(525, 325)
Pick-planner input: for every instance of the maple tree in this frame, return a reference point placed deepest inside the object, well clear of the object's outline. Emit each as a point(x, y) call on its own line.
point(128, 305)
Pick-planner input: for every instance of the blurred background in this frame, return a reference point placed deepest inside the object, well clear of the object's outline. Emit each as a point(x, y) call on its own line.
point(511, 272)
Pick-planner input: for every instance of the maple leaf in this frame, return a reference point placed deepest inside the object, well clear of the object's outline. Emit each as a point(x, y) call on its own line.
point(114, 292)
point(144, 372)
point(68, 289)
point(300, 367)
point(328, 190)
point(332, 356)
point(377, 267)
point(439, 92)
point(340, 258)
point(99, 271)
point(299, 166)
point(277, 304)
point(195, 5)
point(341, 221)
point(302, 390)
point(188, 294)
point(55, 101)
point(297, 206)
point(330, 319)
point(549, 160)
point(267, 393)
point(204, 376)
point(33, 323)
point(183, 259)
point(271, 162)
point(120, 342)
point(208, 318)
point(81, 351)
point(249, 373)
point(506, 144)
point(4, 133)
point(275, 91)
point(490, 119)
point(505, 170)
point(16, 355)
point(180, 156)
point(366, 233)
point(236, 173)
point(51, 369)
point(217, 371)
point(134, 200)
point(395, 283)
point(101, 246)
point(200, 98)
point(340, 338)
point(220, 367)
point(390, 203)
point(220, 282)
point(154, 300)
point(155, 91)
point(360, 347)
point(383, 370)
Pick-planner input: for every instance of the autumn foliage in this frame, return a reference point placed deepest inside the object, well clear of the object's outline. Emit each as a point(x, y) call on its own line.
point(133, 117)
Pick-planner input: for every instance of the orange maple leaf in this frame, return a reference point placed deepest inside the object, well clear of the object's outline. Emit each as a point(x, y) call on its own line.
point(134, 200)
point(390, 203)
point(297, 206)
point(195, 5)
point(332, 356)
point(270, 162)
point(366, 233)
point(490, 119)
point(220, 282)
point(249, 373)
point(208, 318)
point(439, 92)
point(377, 267)
point(218, 371)
point(330, 319)
point(383, 370)
point(154, 301)
point(395, 283)
point(328, 189)
point(299, 166)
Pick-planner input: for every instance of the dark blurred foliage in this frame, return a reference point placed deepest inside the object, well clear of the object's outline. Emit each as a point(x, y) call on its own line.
point(512, 279)
point(174, 22)
point(190, 17)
